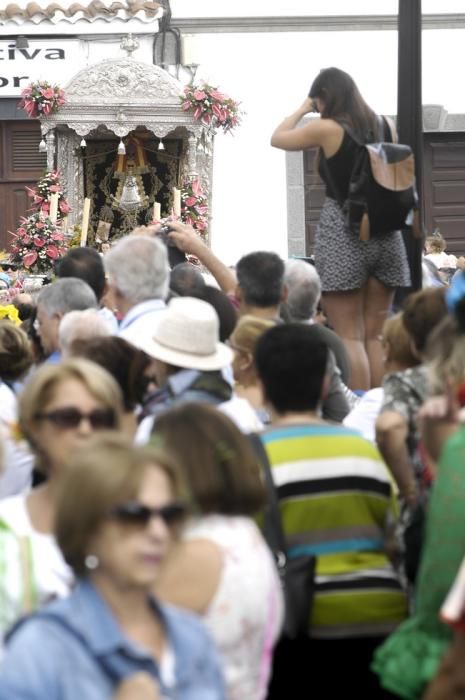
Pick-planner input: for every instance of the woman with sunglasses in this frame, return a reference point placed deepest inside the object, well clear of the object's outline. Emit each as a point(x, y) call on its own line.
point(222, 569)
point(59, 409)
point(118, 509)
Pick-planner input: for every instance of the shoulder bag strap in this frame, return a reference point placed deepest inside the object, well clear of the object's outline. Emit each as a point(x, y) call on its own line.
point(273, 527)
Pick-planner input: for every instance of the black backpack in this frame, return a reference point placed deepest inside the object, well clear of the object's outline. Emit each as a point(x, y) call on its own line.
point(382, 194)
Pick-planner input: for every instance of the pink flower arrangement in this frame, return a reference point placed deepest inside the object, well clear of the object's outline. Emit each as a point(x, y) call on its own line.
point(41, 99)
point(211, 107)
point(40, 195)
point(37, 243)
point(194, 206)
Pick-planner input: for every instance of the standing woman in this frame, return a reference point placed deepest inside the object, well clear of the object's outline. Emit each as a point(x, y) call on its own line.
point(358, 277)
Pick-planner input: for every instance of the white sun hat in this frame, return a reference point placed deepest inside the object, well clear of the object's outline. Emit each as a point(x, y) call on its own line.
point(187, 335)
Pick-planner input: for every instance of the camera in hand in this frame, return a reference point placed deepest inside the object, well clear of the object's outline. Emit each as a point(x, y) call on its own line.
point(175, 256)
point(163, 232)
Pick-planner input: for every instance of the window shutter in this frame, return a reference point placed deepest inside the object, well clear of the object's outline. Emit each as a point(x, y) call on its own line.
point(25, 151)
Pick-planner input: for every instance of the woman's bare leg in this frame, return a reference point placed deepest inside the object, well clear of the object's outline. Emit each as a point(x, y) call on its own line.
point(377, 304)
point(345, 314)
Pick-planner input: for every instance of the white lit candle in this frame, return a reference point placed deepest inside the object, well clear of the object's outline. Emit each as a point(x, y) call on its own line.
point(188, 50)
point(85, 221)
point(53, 207)
point(156, 211)
point(177, 201)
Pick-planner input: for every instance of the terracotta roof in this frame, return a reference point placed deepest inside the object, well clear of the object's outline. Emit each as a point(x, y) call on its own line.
point(37, 12)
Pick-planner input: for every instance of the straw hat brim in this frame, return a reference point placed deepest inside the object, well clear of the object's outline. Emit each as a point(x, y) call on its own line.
point(222, 357)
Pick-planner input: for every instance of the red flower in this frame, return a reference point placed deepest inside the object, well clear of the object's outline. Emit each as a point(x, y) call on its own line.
point(200, 94)
point(57, 236)
point(217, 95)
point(40, 224)
point(52, 252)
point(190, 201)
point(30, 258)
point(217, 111)
point(196, 188)
point(64, 207)
point(48, 93)
point(197, 112)
point(21, 231)
point(39, 242)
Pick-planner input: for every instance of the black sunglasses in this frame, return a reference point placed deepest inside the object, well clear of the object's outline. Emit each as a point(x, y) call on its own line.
point(71, 417)
point(134, 513)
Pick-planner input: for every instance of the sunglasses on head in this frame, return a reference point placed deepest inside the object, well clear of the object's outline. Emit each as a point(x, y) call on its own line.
point(134, 513)
point(70, 417)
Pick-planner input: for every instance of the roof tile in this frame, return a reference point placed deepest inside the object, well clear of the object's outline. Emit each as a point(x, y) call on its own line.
point(93, 10)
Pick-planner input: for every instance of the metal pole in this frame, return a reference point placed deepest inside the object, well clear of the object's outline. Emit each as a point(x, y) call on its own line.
point(410, 117)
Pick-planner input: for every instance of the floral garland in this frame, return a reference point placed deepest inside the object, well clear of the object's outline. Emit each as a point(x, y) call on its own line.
point(49, 184)
point(194, 206)
point(37, 244)
point(41, 99)
point(211, 107)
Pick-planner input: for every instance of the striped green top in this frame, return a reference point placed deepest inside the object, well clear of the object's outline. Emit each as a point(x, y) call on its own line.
point(336, 498)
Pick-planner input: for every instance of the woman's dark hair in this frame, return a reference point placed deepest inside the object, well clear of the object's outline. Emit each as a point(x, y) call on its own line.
point(422, 311)
point(221, 303)
point(123, 361)
point(15, 352)
point(343, 102)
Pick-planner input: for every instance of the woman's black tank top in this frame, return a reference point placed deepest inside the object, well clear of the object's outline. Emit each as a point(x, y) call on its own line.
point(335, 171)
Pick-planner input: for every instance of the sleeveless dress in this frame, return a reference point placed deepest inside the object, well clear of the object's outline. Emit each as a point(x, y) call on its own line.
point(342, 260)
point(246, 614)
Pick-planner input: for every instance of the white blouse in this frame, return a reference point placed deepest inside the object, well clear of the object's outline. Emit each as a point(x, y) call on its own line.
point(246, 614)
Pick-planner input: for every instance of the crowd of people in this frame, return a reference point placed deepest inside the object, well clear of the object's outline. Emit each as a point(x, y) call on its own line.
point(135, 559)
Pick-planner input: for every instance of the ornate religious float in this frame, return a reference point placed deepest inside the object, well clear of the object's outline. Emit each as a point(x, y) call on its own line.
point(123, 142)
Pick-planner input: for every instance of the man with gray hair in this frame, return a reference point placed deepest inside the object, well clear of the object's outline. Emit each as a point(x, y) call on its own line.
point(138, 278)
point(303, 294)
point(54, 301)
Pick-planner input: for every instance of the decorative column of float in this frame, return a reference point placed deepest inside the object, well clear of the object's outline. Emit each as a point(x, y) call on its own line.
point(50, 141)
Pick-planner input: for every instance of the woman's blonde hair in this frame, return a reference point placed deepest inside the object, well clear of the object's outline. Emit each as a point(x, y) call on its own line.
point(248, 330)
point(108, 471)
point(42, 386)
point(446, 356)
point(436, 242)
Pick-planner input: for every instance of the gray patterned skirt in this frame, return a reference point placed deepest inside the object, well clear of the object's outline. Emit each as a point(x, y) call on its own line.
point(345, 262)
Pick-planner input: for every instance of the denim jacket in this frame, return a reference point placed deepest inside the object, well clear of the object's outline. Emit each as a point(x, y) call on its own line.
point(74, 649)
